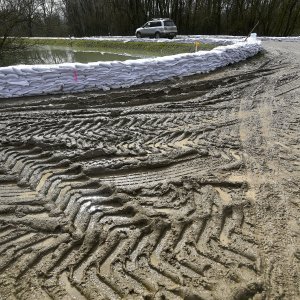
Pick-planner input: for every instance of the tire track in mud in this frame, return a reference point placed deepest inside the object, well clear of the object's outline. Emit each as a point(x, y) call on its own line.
point(157, 192)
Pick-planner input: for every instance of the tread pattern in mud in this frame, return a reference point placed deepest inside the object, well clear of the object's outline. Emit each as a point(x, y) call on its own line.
point(141, 194)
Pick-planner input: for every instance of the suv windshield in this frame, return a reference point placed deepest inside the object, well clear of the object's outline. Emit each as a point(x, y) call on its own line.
point(169, 23)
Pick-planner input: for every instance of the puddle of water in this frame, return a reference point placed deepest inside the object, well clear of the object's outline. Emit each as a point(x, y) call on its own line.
point(59, 54)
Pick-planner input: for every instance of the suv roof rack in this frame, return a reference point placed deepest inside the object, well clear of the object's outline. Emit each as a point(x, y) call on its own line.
point(160, 19)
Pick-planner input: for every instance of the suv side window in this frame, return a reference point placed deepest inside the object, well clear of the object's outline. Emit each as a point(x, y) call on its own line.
point(169, 23)
point(155, 24)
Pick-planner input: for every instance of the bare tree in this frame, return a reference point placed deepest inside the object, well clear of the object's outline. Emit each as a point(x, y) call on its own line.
point(11, 15)
point(51, 14)
point(30, 10)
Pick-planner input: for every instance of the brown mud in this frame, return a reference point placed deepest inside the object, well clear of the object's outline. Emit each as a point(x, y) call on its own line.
point(185, 189)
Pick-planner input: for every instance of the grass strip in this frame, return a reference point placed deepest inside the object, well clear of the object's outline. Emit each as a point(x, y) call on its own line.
point(132, 47)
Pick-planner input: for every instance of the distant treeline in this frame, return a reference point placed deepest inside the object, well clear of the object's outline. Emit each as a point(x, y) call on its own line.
point(238, 17)
point(122, 17)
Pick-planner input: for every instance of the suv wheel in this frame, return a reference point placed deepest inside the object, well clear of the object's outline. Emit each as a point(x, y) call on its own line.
point(157, 35)
point(138, 35)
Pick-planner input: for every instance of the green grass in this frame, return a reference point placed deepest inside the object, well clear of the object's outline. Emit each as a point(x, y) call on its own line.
point(137, 48)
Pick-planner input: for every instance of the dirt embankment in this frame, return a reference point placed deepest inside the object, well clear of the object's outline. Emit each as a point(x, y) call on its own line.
point(187, 189)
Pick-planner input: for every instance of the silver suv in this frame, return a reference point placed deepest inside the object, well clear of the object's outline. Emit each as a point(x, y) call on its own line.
point(157, 28)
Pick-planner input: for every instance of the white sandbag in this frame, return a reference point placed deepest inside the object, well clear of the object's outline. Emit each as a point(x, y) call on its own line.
point(75, 77)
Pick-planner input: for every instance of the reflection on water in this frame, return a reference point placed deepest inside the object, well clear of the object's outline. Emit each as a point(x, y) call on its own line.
point(56, 55)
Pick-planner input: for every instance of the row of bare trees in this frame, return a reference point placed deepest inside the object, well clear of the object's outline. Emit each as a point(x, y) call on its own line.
point(121, 17)
point(95, 17)
point(29, 18)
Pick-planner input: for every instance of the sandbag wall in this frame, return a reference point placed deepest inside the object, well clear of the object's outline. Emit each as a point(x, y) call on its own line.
point(31, 80)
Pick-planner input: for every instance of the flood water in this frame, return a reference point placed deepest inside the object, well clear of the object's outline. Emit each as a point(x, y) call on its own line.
point(58, 54)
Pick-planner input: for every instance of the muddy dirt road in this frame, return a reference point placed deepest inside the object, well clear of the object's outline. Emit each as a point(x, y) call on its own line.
point(186, 189)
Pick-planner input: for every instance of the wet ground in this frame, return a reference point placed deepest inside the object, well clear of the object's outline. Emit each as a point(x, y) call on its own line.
point(186, 189)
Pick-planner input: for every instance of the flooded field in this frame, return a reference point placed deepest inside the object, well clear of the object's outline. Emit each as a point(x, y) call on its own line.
point(60, 54)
